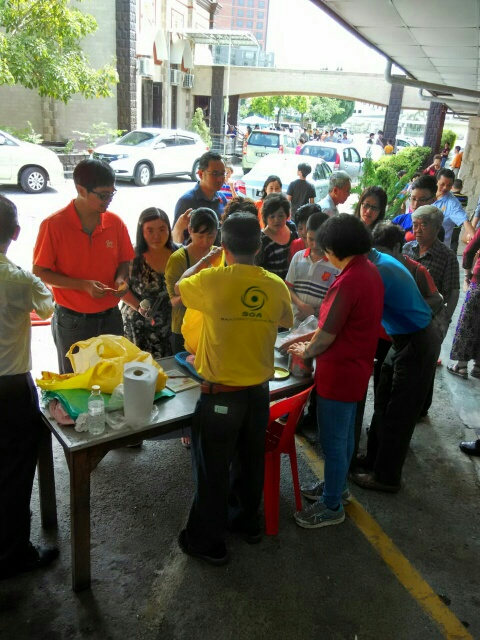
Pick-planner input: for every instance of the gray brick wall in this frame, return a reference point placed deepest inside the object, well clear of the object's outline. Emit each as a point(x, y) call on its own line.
point(392, 115)
point(434, 127)
point(126, 28)
point(216, 111)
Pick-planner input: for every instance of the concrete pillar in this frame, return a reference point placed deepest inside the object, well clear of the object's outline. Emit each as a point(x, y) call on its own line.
point(233, 109)
point(470, 169)
point(126, 35)
point(392, 114)
point(434, 128)
point(216, 111)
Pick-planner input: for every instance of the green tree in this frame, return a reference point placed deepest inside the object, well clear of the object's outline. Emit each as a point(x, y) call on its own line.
point(330, 110)
point(40, 49)
point(269, 106)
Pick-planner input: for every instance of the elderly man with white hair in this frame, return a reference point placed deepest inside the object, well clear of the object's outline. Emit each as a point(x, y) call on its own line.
point(440, 261)
point(338, 191)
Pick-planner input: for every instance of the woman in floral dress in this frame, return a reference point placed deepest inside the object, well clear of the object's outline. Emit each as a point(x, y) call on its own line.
point(148, 325)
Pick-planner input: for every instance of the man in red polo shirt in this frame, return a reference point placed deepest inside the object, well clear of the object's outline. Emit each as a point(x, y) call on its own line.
point(82, 252)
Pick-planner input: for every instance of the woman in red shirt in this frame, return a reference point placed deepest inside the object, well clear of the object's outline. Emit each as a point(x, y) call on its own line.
point(344, 346)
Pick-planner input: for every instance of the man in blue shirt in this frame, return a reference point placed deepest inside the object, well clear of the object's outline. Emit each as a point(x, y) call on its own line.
point(453, 213)
point(405, 377)
point(206, 193)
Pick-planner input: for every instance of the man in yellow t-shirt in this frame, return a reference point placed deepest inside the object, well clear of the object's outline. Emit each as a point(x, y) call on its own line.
point(243, 306)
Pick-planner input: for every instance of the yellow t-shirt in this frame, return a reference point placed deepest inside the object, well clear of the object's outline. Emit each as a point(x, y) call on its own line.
point(242, 307)
point(388, 149)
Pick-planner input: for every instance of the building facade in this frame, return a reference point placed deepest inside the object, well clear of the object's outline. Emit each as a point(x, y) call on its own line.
point(247, 15)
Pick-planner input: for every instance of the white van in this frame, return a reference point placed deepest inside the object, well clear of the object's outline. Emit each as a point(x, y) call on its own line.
point(263, 142)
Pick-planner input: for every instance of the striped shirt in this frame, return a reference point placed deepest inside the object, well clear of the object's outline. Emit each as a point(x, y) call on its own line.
point(309, 280)
point(273, 256)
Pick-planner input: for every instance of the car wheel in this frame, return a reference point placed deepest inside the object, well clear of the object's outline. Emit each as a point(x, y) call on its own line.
point(33, 180)
point(143, 175)
point(193, 175)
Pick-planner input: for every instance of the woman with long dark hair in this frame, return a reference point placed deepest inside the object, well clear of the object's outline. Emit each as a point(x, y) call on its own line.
point(147, 312)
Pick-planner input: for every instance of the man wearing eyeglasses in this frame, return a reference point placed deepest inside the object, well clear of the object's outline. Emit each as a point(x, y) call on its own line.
point(83, 252)
point(206, 193)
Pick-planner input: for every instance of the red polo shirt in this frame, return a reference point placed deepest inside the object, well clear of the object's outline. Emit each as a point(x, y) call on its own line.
point(352, 311)
point(64, 247)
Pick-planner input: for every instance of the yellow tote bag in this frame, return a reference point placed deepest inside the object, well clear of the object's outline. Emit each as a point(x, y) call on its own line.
point(99, 361)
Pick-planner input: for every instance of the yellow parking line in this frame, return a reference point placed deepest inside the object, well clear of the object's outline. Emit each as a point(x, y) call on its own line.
point(409, 577)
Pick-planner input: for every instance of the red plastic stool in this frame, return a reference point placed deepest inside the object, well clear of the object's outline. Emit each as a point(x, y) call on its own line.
point(280, 438)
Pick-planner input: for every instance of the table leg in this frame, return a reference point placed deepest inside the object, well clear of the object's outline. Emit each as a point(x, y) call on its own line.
point(79, 464)
point(46, 480)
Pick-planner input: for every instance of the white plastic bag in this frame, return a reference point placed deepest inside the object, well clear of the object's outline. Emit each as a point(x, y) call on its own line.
point(307, 326)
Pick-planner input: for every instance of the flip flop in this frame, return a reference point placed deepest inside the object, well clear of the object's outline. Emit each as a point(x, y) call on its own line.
point(461, 372)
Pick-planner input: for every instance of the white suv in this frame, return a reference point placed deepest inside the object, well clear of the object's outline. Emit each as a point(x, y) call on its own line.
point(29, 165)
point(263, 142)
point(146, 153)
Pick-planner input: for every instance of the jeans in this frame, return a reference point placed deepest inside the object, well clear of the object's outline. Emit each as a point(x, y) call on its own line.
point(228, 455)
point(336, 424)
point(69, 327)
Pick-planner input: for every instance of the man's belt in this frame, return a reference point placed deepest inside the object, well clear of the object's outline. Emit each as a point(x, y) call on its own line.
point(213, 388)
point(85, 315)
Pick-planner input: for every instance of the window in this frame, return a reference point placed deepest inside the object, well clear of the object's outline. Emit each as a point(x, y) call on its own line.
point(182, 140)
point(259, 25)
point(261, 4)
point(346, 155)
point(249, 13)
point(241, 3)
point(249, 24)
point(260, 15)
point(240, 13)
point(259, 35)
point(239, 23)
point(355, 156)
point(250, 3)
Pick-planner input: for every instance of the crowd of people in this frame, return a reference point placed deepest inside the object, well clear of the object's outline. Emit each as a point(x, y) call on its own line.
point(250, 268)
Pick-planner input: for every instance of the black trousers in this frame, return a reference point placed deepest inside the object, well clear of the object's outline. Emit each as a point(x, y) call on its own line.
point(20, 425)
point(404, 383)
point(383, 347)
point(228, 454)
point(69, 327)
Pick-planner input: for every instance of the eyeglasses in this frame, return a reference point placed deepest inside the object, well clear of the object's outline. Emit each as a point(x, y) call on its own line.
point(421, 200)
point(372, 207)
point(216, 174)
point(104, 197)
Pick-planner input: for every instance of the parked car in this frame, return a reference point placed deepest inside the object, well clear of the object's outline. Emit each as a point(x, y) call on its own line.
point(264, 142)
point(339, 156)
point(148, 153)
point(401, 142)
point(29, 165)
point(285, 167)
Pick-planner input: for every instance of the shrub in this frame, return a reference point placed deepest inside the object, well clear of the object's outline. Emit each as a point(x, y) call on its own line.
point(199, 126)
point(384, 173)
point(28, 134)
point(448, 136)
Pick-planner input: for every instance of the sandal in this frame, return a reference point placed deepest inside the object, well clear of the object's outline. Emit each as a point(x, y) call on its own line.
point(475, 372)
point(185, 440)
point(461, 372)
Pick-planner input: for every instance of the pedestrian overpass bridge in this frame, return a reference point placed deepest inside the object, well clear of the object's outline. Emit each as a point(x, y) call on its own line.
point(247, 82)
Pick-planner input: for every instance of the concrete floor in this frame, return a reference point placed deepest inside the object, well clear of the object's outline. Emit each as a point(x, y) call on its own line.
point(328, 584)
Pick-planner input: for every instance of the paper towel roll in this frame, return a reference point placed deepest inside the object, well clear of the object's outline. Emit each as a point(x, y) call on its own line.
point(139, 380)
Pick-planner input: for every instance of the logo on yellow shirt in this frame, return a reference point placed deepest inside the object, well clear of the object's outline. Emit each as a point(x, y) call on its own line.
point(254, 299)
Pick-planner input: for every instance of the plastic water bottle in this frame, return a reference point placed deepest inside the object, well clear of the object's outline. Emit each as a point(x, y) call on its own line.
point(96, 412)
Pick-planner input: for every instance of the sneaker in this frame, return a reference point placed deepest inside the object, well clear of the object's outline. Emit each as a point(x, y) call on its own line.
point(319, 515)
point(314, 492)
point(217, 557)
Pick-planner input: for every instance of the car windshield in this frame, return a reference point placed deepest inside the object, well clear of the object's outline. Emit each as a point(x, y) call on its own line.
point(327, 153)
point(260, 139)
point(137, 139)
